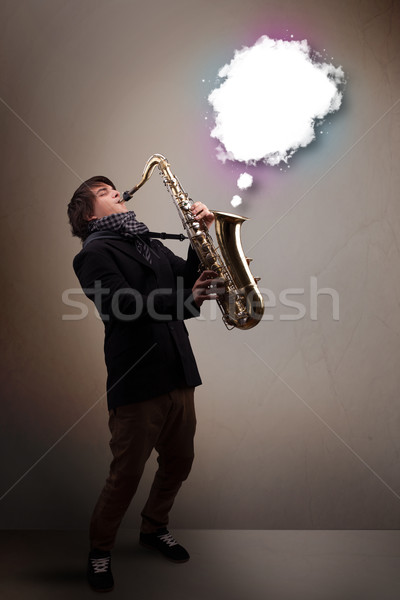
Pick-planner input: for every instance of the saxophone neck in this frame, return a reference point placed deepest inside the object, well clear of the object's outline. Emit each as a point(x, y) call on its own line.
point(156, 160)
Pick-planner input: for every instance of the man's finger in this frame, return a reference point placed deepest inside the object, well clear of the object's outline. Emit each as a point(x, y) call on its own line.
point(208, 274)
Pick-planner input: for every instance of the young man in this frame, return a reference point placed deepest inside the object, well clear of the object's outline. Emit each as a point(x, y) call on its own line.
point(143, 293)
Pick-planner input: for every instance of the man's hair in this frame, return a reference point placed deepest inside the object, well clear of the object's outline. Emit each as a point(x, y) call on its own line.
point(81, 205)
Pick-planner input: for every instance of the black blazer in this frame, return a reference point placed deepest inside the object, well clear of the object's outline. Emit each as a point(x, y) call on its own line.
point(143, 306)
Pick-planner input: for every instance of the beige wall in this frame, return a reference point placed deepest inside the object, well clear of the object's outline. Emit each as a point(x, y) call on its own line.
point(298, 420)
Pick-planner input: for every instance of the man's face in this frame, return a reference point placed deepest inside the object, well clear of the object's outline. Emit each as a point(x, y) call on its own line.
point(106, 201)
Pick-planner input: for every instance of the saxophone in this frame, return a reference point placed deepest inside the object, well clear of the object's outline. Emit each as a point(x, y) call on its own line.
point(242, 304)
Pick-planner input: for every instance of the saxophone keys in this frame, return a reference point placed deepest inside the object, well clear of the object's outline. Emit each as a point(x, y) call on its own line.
point(248, 260)
point(257, 279)
point(209, 260)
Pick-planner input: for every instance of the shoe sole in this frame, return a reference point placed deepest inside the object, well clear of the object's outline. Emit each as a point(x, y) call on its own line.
point(101, 590)
point(149, 547)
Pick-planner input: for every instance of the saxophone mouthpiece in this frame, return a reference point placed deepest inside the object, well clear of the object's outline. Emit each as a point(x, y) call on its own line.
point(127, 195)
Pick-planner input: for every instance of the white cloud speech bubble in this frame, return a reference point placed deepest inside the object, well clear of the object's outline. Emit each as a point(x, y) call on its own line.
point(245, 181)
point(273, 95)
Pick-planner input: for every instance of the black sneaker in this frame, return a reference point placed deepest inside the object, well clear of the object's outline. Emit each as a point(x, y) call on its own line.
point(163, 541)
point(99, 573)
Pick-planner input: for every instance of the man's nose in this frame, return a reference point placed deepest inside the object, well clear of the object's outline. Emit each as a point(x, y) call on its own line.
point(116, 194)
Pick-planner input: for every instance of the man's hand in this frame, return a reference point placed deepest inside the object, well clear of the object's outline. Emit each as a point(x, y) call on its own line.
point(208, 287)
point(202, 213)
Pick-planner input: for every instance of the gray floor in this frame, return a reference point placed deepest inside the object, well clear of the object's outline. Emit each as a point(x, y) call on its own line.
point(224, 565)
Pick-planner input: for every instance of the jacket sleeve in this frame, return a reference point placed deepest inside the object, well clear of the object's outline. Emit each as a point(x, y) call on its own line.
point(106, 286)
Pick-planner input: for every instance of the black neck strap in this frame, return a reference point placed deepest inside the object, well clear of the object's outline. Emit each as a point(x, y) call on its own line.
point(116, 236)
point(167, 236)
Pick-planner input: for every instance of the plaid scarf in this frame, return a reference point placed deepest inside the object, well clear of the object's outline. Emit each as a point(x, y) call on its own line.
point(128, 227)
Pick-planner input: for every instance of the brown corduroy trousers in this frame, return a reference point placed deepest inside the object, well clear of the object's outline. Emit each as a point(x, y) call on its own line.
point(166, 423)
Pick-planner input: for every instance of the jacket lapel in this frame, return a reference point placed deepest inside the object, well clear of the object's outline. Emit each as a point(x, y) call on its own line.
point(129, 248)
